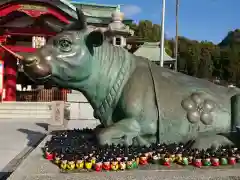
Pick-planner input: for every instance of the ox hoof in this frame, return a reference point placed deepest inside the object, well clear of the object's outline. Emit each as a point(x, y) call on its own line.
point(106, 136)
point(109, 136)
point(213, 141)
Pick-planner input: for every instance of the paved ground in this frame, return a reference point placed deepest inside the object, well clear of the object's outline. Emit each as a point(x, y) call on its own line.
point(17, 138)
point(34, 167)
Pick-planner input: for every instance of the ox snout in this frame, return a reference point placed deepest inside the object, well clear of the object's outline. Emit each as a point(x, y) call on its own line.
point(36, 68)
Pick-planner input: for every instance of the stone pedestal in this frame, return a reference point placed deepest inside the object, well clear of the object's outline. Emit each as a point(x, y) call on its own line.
point(57, 121)
point(56, 128)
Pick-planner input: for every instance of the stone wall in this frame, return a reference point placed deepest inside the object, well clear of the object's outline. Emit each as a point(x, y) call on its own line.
point(80, 112)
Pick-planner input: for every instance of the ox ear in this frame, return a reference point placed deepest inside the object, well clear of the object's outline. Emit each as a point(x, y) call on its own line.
point(95, 38)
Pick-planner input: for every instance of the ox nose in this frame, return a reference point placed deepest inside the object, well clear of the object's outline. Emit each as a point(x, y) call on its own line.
point(30, 60)
point(36, 67)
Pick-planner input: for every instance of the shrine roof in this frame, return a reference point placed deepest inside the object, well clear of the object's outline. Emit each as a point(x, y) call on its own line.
point(95, 13)
point(94, 4)
point(96, 10)
point(63, 5)
point(151, 50)
point(99, 13)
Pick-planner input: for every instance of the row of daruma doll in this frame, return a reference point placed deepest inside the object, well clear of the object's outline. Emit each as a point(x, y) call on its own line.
point(107, 163)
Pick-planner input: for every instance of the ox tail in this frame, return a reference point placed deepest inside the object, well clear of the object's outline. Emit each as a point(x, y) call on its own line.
point(235, 112)
point(156, 103)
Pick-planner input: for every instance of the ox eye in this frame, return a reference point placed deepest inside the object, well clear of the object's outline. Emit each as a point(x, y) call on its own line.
point(64, 45)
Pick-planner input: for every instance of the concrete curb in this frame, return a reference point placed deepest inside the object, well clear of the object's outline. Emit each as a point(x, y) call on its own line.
point(17, 160)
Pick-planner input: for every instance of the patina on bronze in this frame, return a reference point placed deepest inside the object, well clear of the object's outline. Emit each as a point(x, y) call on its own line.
point(122, 89)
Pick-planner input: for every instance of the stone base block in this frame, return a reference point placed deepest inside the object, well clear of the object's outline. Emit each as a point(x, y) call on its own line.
point(56, 128)
point(80, 124)
point(80, 111)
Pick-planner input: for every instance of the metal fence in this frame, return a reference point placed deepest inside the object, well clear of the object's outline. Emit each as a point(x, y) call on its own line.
point(43, 95)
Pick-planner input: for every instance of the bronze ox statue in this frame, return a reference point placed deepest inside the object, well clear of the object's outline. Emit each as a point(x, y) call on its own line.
point(136, 101)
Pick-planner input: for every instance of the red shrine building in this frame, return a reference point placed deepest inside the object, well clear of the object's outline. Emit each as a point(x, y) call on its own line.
point(20, 22)
point(22, 31)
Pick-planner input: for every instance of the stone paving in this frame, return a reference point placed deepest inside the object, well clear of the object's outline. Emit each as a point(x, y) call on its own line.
point(17, 138)
point(34, 167)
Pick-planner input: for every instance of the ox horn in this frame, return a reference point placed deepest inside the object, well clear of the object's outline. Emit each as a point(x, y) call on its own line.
point(81, 19)
point(79, 24)
point(11, 52)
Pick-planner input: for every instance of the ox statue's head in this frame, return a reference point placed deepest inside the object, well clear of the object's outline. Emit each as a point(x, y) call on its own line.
point(67, 57)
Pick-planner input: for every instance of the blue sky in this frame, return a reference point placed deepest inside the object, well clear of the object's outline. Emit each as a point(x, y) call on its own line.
point(198, 19)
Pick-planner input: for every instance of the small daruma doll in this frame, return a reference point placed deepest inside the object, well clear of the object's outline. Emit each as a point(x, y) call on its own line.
point(79, 163)
point(215, 160)
point(57, 159)
point(184, 160)
point(179, 156)
point(63, 164)
point(106, 164)
point(206, 160)
point(223, 159)
point(238, 156)
point(190, 158)
point(137, 159)
point(143, 160)
point(198, 161)
point(48, 154)
point(88, 163)
point(232, 159)
point(155, 158)
point(114, 165)
point(167, 160)
point(98, 165)
point(130, 164)
point(122, 164)
point(71, 164)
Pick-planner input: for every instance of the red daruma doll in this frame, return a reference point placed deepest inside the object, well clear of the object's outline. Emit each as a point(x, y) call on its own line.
point(106, 164)
point(167, 160)
point(98, 165)
point(143, 160)
point(198, 161)
point(231, 159)
point(215, 159)
point(48, 154)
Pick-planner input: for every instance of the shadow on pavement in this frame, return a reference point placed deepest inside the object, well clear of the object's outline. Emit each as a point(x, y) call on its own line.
point(4, 175)
point(32, 136)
